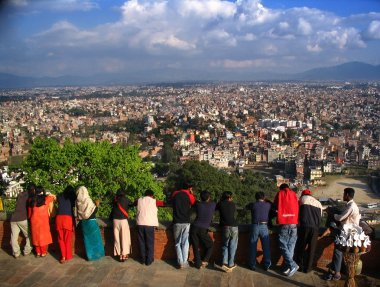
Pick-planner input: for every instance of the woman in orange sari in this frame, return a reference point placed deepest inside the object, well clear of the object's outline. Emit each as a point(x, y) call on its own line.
point(38, 213)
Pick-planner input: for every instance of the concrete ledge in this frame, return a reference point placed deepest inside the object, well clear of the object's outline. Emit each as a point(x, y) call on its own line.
point(164, 245)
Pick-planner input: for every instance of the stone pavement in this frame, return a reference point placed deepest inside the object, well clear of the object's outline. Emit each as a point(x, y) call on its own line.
point(30, 271)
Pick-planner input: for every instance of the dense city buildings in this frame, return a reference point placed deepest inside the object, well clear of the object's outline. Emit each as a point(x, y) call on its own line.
point(301, 130)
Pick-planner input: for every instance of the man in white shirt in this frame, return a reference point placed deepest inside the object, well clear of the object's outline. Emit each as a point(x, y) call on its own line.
point(349, 215)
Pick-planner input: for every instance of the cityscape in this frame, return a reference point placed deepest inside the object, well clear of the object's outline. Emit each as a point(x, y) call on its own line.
point(150, 131)
point(302, 131)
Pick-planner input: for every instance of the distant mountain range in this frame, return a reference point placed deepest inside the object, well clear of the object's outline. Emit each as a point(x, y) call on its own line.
point(352, 71)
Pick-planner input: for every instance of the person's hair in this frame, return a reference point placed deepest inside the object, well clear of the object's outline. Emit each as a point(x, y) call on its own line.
point(149, 192)
point(186, 184)
point(31, 190)
point(205, 195)
point(284, 185)
point(226, 195)
point(259, 195)
point(69, 193)
point(120, 192)
point(350, 192)
point(39, 199)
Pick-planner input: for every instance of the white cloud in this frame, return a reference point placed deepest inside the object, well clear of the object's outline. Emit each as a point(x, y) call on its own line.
point(249, 37)
point(373, 31)
point(65, 34)
point(242, 64)
point(170, 41)
point(206, 9)
point(304, 27)
point(196, 33)
point(340, 38)
point(253, 12)
point(315, 48)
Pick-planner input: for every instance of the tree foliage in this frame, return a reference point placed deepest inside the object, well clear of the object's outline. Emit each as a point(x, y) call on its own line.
point(204, 177)
point(102, 167)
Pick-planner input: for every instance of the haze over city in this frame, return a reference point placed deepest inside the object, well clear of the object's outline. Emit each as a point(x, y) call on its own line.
point(184, 40)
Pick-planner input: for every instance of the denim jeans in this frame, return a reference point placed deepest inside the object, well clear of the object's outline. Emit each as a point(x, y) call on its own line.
point(259, 231)
point(287, 240)
point(181, 239)
point(230, 235)
point(337, 259)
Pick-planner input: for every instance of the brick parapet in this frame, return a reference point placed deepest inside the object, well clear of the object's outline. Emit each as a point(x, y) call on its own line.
point(164, 245)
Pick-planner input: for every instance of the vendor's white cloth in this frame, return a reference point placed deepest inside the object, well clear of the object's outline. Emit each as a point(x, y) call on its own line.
point(84, 204)
point(350, 214)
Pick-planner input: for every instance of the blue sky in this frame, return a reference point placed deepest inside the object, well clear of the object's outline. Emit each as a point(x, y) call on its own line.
point(188, 39)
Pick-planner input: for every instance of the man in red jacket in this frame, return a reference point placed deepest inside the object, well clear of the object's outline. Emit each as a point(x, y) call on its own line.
point(286, 202)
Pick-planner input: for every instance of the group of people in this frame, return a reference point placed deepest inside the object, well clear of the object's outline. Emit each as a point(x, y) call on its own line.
point(298, 222)
point(32, 214)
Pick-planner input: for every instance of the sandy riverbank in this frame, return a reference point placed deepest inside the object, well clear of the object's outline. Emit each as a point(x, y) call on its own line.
point(336, 185)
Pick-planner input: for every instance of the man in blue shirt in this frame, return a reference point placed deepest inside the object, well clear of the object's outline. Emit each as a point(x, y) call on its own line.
point(259, 229)
point(199, 230)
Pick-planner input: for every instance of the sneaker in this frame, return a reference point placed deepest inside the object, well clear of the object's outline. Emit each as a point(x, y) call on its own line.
point(232, 267)
point(225, 267)
point(266, 268)
point(204, 264)
point(293, 270)
point(253, 268)
point(336, 277)
point(328, 276)
point(286, 271)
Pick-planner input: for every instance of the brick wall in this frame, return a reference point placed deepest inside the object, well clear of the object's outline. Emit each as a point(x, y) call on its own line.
point(164, 246)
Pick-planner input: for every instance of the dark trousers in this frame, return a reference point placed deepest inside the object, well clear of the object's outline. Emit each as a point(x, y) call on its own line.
point(200, 238)
point(146, 241)
point(306, 245)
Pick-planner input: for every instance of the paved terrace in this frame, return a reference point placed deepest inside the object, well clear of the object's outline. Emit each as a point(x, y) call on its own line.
point(30, 271)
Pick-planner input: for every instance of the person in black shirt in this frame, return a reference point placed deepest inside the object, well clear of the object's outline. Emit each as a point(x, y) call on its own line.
point(230, 232)
point(183, 200)
point(19, 223)
point(121, 232)
point(259, 229)
point(199, 230)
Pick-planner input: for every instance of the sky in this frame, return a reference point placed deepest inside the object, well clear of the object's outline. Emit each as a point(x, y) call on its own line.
point(186, 39)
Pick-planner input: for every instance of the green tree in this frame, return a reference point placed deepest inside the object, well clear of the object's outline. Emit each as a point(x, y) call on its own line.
point(102, 167)
point(204, 177)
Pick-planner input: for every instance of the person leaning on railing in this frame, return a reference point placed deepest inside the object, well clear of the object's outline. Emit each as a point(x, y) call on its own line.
point(19, 223)
point(260, 211)
point(349, 215)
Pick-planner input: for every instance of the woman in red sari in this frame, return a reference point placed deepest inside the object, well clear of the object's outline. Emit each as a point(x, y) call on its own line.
point(38, 213)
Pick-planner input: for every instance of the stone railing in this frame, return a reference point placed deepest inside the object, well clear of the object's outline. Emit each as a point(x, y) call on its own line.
point(164, 245)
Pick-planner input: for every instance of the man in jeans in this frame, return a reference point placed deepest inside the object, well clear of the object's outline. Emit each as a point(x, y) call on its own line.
point(286, 203)
point(19, 222)
point(183, 200)
point(260, 218)
point(230, 232)
point(350, 215)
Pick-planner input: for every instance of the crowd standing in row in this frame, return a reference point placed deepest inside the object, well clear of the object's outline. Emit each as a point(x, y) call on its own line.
point(298, 226)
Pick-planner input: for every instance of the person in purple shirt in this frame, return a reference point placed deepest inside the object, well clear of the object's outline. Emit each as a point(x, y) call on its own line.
point(259, 229)
point(199, 230)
